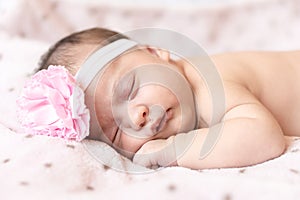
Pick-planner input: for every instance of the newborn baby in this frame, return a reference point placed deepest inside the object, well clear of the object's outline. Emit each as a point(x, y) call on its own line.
point(153, 125)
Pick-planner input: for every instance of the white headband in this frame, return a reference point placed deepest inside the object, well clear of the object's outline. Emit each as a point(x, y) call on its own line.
point(99, 59)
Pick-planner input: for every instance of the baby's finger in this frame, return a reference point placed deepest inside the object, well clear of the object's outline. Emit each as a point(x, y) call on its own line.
point(143, 159)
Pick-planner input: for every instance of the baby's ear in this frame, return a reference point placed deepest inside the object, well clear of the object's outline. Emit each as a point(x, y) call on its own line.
point(161, 53)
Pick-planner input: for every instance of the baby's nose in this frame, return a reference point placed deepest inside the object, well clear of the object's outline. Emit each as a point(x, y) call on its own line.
point(140, 117)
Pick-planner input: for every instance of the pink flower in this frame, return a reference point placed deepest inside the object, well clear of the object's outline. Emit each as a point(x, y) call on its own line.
point(52, 104)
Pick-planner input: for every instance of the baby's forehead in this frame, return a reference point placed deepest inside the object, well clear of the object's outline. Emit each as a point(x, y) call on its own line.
point(112, 73)
point(115, 70)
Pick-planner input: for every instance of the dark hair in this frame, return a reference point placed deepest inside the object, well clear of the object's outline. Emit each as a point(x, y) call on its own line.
point(65, 52)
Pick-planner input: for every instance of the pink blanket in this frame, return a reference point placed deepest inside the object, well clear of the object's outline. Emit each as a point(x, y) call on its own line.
point(49, 168)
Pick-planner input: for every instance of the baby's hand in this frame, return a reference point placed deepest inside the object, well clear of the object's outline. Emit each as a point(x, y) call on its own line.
point(159, 152)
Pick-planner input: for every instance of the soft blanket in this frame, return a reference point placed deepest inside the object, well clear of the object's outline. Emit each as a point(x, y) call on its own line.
point(38, 167)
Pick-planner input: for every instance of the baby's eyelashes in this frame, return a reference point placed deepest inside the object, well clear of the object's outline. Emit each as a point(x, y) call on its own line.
point(134, 89)
point(124, 88)
point(129, 87)
point(132, 94)
point(115, 134)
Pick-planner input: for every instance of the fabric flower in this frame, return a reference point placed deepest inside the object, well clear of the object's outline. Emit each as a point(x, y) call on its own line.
point(52, 104)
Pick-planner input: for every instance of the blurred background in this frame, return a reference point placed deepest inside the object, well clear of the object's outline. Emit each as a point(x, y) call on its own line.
point(218, 25)
point(46, 169)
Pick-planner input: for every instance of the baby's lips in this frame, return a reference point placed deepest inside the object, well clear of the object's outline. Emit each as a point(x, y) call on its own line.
point(151, 129)
point(161, 122)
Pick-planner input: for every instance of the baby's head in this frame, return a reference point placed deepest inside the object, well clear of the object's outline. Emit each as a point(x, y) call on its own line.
point(140, 95)
point(72, 50)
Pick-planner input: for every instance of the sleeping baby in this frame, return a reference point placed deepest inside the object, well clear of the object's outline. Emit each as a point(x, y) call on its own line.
point(156, 110)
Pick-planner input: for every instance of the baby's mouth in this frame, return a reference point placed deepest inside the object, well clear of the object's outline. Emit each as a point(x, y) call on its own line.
point(161, 122)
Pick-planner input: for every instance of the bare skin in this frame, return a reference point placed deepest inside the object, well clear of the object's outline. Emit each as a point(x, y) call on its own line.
point(262, 103)
point(273, 78)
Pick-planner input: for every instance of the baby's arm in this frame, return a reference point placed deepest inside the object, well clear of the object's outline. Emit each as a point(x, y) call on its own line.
point(250, 135)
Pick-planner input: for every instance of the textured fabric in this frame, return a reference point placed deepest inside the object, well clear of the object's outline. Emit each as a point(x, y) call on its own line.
point(49, 168)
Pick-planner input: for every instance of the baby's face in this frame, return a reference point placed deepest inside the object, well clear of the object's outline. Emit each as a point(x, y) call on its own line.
point(141, 97)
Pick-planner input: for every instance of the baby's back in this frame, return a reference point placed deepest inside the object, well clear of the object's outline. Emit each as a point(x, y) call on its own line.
point(273, 77)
